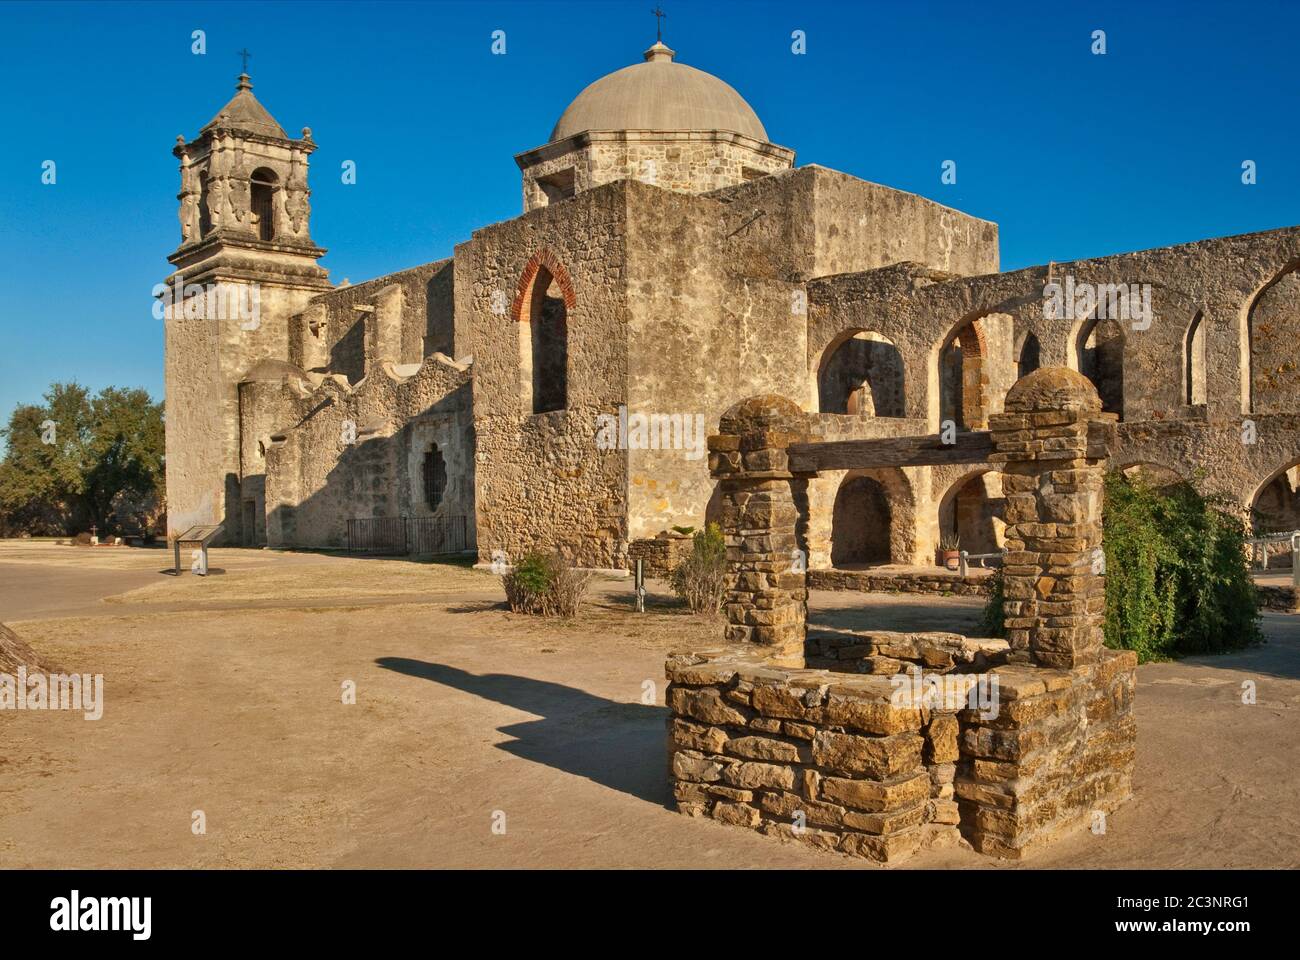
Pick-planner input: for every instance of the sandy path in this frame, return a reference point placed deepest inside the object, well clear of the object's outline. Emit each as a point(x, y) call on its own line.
point(233, 707)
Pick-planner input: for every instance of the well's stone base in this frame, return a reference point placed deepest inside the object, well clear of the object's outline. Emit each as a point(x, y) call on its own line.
point(858, 765)
point(1060, 753)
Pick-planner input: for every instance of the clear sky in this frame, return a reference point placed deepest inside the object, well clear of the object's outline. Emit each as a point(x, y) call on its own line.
point(1073, 154)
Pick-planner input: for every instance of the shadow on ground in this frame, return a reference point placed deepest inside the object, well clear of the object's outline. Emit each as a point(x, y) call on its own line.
point(618, 745)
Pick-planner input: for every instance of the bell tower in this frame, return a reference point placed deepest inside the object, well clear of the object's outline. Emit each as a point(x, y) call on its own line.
point(246, 264)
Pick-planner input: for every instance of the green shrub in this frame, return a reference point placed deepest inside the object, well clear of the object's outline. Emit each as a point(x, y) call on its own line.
point(991, 620)
point(701, 579)
point(543, 584)
point(1177, 577)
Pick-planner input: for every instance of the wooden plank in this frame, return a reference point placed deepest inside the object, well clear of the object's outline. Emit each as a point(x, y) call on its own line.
point(925, 451)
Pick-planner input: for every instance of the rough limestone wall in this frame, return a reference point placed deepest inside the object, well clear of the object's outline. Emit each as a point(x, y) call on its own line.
point(804, 754)
point(425, 325)
point(698, 338)
point(317, 479)
point(196, 465)
point(578, 159)
point(542, 482)
point(205, 360)
point(1058, 756)
point(266, 403)
point(683, 162)
point(660, 555)
point(1235, 284)
point(862, 225)
point(814, 222)
point(890, 652)
point(874, 581)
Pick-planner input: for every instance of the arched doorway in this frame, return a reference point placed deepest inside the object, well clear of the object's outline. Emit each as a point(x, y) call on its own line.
point(1276, 509)
point(861, 524)
point(972, 510)
point(1028, 355)
point(861, 374)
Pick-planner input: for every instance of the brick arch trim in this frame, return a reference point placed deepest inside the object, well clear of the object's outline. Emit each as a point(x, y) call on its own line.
point(522, 307)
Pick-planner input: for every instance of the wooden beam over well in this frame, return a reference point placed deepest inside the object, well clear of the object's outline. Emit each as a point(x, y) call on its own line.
point(926, 451)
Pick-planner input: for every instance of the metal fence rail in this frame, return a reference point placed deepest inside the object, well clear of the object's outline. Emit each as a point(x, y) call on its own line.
point(964, 559)
point(436, 535)
point(1259, 552)
point(400, 536)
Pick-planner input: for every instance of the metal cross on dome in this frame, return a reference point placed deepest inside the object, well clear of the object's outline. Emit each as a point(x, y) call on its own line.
point(659, 23)
point(245, 55)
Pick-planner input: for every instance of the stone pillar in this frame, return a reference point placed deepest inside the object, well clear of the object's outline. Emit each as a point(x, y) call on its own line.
point(767, 591)
point(1052, 476)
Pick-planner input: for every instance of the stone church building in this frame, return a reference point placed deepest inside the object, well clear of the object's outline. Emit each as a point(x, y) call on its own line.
point(671, 260)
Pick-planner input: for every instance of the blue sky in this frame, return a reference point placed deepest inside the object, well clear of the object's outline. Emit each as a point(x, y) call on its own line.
point(1072, 154)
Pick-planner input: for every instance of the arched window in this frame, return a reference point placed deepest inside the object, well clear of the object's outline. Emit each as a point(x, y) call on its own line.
point(435, 477)
point(1194, 363)
point(1273, 329)
point(862, 375)
point(542, 306)
point(1029, 356)
point(963, 378)
point(972, 509)
point(1099, 354)
point(262, 201)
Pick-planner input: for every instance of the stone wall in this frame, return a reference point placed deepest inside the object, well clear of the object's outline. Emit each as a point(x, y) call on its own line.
point(817, 222)
point(1058, 756)
point(339, 333)
point(660, 555)
point(828, 760)
point(358, 453)
point(542, 482)
point(888, 581)
point(890, 652)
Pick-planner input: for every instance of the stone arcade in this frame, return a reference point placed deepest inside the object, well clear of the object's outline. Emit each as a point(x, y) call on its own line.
point(671, 259)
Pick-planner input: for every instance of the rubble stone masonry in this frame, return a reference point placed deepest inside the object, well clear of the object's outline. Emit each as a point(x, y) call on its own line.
point(876, 757)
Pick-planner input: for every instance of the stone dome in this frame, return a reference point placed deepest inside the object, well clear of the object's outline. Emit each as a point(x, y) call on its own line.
point(659, 95)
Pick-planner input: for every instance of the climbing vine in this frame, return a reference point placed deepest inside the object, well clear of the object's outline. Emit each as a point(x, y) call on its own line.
point(1177, 577)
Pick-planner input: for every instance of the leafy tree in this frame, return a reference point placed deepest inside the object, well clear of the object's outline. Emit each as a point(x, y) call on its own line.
point(79, 460)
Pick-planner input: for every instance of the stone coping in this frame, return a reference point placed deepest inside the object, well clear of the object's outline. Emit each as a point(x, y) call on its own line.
point(719, 665)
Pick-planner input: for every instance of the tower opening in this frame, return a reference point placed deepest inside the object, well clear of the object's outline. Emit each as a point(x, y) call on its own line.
point(262, 186)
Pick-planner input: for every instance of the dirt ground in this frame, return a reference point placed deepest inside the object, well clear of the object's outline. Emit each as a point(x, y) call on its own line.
point(224, 695)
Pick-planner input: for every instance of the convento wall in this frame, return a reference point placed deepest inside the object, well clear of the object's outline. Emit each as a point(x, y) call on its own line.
point(671, 260)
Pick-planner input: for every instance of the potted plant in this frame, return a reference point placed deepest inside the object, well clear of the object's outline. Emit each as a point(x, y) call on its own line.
point(950, 550)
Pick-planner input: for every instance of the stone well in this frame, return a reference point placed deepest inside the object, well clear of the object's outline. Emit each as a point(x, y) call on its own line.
point(879, 744)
